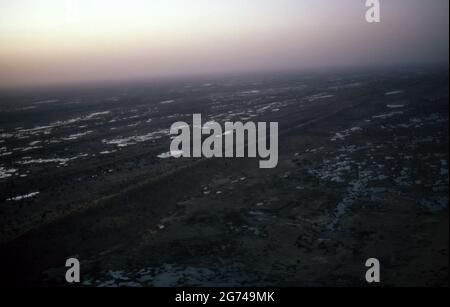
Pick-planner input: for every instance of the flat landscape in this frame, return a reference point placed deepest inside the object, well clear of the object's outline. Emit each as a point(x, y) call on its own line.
point(362, 173)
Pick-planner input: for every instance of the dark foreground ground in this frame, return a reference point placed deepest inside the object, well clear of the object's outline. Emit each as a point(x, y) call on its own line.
point(363, 173)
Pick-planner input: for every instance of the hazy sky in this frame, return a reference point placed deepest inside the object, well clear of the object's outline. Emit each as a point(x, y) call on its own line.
point(57, 41)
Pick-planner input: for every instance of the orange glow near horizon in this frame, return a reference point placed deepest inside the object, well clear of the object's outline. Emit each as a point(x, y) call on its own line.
point(54, 41)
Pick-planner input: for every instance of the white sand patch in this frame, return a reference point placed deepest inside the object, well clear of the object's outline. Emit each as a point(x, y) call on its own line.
point(6, 135)
point(60, 161)
point(394, 93)
point(22, 197)
point(30, 148)
point(319, 97)
point(133, 140)
point(107, 152)
point(7, 172)
point(395, 106)
point(170, 154)
point(388, 115)
point(342, 135)
point(167, 101)
point(76, 136)
point(97, 114)
point(47, 129)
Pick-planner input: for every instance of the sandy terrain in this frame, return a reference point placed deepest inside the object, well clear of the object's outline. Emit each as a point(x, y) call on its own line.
point(362, 173)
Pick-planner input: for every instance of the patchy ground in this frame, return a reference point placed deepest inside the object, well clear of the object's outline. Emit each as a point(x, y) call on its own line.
point(363, 172)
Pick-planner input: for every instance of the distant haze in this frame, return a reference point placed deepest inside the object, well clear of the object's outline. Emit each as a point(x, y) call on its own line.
point(55, 41)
